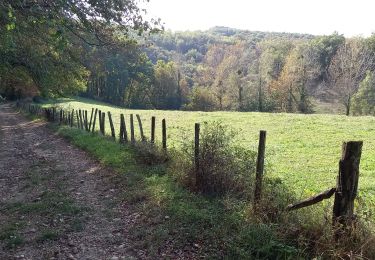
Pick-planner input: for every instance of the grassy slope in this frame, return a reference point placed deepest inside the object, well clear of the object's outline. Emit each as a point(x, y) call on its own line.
point(303, 150)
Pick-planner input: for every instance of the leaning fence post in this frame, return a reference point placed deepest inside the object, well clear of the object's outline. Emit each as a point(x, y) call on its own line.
point(164, 134)
point(153, 129)
point(80, 119)
point(260, 167)
point(347, 184)
point(111, 125)
point(132, 138)
point(92, 113)
point(140, 128)
point(198, 173)
point(93, 124)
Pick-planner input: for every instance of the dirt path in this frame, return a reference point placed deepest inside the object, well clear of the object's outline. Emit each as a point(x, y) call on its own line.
point(55, 201)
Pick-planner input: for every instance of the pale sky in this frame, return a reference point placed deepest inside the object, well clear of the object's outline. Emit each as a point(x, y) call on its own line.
point(348, 17)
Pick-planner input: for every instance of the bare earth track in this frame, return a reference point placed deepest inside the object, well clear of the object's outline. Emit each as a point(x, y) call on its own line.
point(55, 201)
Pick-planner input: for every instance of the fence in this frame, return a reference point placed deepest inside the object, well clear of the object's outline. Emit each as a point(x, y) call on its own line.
point(347, 181)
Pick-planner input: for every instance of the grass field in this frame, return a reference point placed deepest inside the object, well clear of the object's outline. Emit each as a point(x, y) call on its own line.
point(302, 153)
point(302, 150)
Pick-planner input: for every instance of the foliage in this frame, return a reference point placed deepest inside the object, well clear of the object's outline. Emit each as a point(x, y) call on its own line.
point(225, 166)
point(349, 67)
point(42, 42)
point(150, 154)
point(363, 102)
point(201, 99)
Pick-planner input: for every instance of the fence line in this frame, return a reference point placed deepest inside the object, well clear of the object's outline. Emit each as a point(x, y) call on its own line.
point(347, 181)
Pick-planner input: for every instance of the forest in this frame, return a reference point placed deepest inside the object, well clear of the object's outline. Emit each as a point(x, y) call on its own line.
point(218, 69)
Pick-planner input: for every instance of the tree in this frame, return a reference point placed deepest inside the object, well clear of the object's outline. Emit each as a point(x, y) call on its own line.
point(348, 68)
point(201, 99)
point(291, 88)
point(166, 87)
point(47, 38)
point(363, 102)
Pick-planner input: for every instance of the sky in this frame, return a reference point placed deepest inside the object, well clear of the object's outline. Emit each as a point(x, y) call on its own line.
point(348, 17)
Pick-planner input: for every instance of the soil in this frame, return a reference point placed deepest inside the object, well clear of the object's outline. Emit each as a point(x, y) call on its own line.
point(55, 201)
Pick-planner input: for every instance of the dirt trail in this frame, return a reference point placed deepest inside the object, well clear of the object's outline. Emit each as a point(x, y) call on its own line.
point(55, 201)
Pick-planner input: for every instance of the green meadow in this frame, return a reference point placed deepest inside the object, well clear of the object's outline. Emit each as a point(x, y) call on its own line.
point(302, 150)
point(302, 155)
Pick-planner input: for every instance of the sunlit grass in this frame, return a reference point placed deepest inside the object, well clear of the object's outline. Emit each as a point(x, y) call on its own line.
point(303, 150)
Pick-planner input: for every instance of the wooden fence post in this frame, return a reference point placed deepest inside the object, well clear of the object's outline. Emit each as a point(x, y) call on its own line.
point(92, 113)
point(100, 120)
point(72, 118)
point(260, 167)
point(78, 126)
point(111, 125)
point(80, 119)
point(93, 124)
point(86, 121)
point(153, 129)
point(102, 128)
point(61, 116)
point(54, 114)
point(132, 138)
point(123, 133)
point(198, 173)
point(140, 128)
point(347, 184)
point(164, 134)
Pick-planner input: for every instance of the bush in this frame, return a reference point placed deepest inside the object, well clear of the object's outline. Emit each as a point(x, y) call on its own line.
point(225, 167)
point(150, 154)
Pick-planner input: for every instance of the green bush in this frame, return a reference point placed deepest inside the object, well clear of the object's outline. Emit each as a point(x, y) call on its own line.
point(225, 167)
point(150, 154)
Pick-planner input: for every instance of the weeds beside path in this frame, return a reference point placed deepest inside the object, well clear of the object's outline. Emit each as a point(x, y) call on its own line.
point(56, 202)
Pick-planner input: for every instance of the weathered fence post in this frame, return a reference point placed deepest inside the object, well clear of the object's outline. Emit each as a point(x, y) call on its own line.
point(92, 113)
point(100, 120)
point(53, 114)
point(347, 184)
point(78, 126)
point(198, 173)
point(111, 125)
point(93, 124)
point(86, 121)
point(153, 129)
point(132, 138)
point(123, 133)
point(164, 134)
point(61, 117)
point(140, 128)
point(80, 119)
point(72, 118)
point(102, 127)
point(260, 167)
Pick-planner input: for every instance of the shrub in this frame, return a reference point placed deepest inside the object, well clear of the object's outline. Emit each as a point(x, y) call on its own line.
point(150, 154)
point(225, 167)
